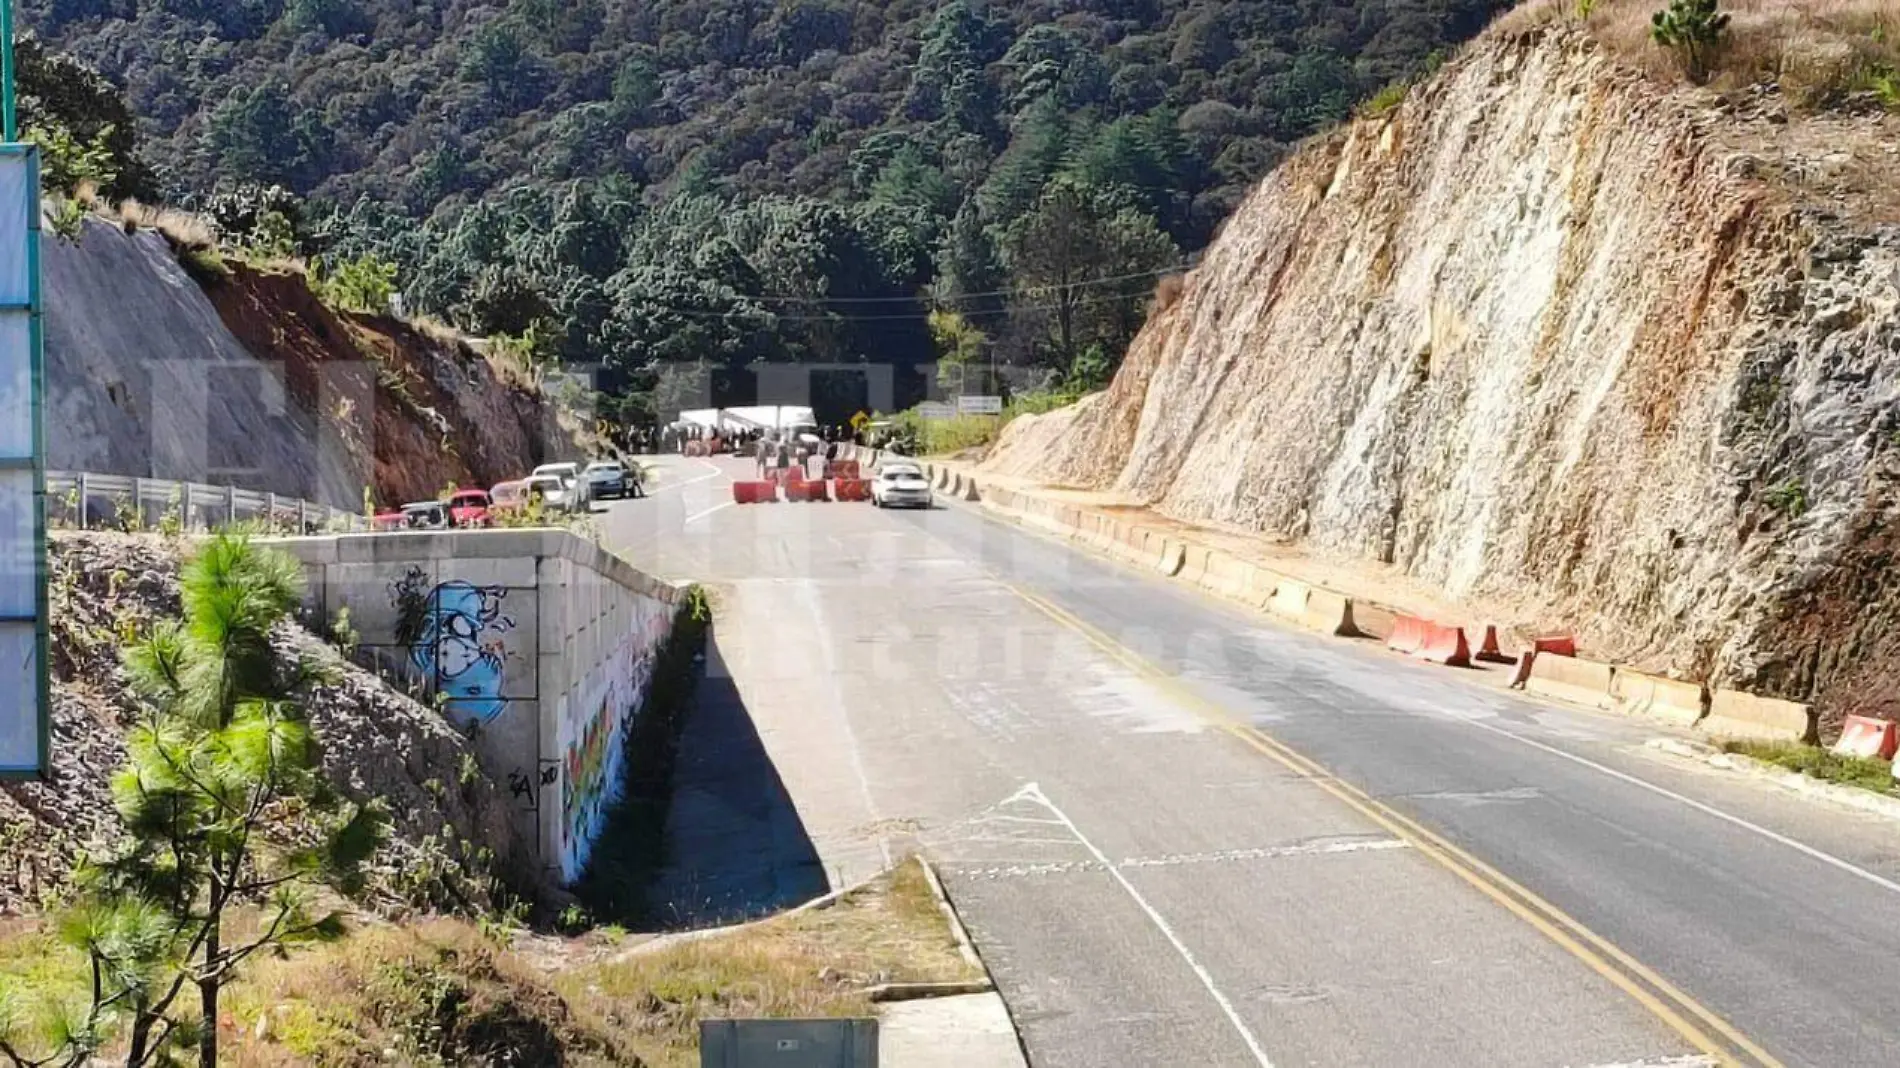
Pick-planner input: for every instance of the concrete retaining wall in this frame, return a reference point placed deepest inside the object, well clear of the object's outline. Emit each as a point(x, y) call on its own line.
point(538, 643)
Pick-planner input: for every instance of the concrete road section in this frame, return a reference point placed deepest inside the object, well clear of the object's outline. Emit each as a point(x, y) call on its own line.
point(1183, 835)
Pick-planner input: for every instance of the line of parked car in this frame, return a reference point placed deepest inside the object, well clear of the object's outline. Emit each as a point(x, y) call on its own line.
point(560, 488)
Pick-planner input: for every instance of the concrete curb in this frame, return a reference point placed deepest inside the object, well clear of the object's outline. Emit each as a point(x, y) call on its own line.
point(1791, 781)
point(965, 947)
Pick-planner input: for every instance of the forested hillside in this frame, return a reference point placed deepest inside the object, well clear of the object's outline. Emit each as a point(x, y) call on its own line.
point(718, 182)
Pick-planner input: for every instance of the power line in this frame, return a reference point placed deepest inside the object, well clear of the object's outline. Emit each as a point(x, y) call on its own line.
point(693, 313)
point(1161, 272)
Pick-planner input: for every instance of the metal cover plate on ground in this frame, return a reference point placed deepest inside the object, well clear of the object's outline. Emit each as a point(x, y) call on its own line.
point(846, 1043)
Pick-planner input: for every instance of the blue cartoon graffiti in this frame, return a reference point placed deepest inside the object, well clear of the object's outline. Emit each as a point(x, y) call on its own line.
point(453, 634)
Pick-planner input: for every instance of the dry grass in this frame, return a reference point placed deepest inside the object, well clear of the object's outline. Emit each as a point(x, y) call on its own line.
point(442, 991)
point(816, 963)
point(1817, 50)
point(183, 229)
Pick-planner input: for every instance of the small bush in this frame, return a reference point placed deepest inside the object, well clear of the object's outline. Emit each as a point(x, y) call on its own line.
point(365, 284)
point(1863, 772)
point(1789, 498)
point(1385, 99)
point(1694, 30)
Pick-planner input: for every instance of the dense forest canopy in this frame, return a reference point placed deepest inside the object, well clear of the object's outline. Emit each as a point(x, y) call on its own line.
point(721, 182)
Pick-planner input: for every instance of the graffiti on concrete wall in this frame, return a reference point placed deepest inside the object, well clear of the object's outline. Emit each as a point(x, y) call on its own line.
point(594, 749)
point(453, 633)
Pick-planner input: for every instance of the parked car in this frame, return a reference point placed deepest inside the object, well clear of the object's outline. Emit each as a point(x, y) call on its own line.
point(900, 485)
point(385, 521)
point(426, 515)
point(507, 497)
point(555, 493)
point(570, 473)
point(470, 508)
point(609, 478)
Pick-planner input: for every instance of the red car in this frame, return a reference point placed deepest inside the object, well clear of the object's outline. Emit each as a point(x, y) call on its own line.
point(470, 508)
point(388, 521)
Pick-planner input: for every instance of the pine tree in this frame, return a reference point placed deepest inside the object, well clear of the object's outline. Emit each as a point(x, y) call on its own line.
point(222, 756)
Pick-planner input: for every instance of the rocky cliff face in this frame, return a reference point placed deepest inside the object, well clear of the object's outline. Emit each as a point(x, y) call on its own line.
point(1619, 355)
point(248, 379)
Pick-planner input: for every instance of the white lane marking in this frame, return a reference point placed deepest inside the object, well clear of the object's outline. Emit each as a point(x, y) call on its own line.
point(701, 515)
point(1690, 1061)
point(1034, 793)
point(1063, 867)
point(1305, 849)
point(1707, 809)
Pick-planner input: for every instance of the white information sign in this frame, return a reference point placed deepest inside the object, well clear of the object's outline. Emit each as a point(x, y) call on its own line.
point(23, 686)
point(935, 410)
point(977, 404)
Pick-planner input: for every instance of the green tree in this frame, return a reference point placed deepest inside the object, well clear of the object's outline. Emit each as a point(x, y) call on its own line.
point(1085, 258)
point(221, 759)
point(64, 103)
point(1694, 29)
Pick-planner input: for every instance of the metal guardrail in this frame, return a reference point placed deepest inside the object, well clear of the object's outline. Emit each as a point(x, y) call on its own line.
point(83, 500)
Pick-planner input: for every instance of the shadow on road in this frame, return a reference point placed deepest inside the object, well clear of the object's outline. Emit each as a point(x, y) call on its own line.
point(733, 847)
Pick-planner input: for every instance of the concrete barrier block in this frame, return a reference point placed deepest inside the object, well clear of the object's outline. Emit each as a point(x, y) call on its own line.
point(1289, 600)
point(1567, 678)
point(1734, 714)
point(1194, 564)
point(970, 492)
point(1666, 699)
point(1226, 576)
point(1173, 558)
point(1329, 613)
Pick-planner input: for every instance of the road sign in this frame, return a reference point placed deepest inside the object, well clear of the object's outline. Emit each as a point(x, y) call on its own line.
point(860, 421)
point(977, 404)
point(935, 410)
point(23, 641)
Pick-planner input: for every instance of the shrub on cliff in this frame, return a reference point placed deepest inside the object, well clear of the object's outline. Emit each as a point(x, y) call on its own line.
point(1694, 29)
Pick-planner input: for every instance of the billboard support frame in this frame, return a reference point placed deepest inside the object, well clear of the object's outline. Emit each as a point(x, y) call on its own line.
point(42, 633)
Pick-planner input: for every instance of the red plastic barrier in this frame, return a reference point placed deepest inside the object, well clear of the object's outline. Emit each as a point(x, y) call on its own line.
point(1408, 633)
point(853, 489)
point(1444, 645)
point(1864, 736)
point(1488, 648)
point(845, 469)
point(1560, 644)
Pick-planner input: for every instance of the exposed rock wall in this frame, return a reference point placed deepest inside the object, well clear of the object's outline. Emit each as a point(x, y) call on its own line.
point(249, 379)
point(1543, 334)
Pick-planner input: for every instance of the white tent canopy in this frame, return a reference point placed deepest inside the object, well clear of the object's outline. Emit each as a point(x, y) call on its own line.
point(756, 417)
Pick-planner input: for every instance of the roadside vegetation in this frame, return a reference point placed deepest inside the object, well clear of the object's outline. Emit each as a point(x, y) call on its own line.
point(446, 990)
point(1819, 52)
point(1865, 773)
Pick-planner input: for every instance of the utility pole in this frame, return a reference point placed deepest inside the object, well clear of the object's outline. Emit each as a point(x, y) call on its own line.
point(9, 120)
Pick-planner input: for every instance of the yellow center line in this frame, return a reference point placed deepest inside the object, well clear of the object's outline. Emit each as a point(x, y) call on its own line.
point(1644, 986)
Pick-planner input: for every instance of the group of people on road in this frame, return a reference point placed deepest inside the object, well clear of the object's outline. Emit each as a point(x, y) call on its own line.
point(808, 451)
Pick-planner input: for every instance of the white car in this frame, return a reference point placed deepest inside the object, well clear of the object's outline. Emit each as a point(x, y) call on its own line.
point(605, 479)
point(556, 493)
point(577, 498)
point(900, 485)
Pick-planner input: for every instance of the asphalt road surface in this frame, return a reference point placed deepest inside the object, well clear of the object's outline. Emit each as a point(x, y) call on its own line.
point(1184, 835)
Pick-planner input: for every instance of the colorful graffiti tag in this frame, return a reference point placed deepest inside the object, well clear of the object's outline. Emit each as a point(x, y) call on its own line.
point(594, 752)
point(454, 637)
